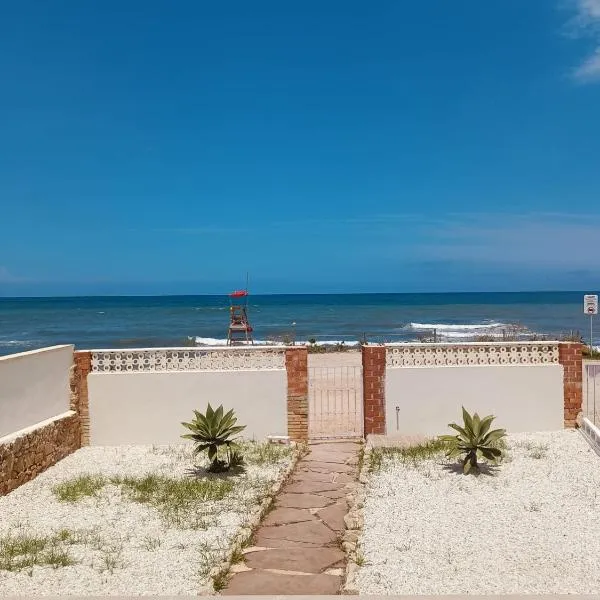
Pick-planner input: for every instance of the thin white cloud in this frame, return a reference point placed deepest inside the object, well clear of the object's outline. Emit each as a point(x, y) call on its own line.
point(525, 240)
point(587, 23)
point(590, 69)
point(6, 276)
point(590, 9)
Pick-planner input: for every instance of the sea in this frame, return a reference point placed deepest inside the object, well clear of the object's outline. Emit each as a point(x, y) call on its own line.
point(161, 321)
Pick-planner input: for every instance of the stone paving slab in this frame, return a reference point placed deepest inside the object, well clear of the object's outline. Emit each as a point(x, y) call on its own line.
point(323, 467)
point(336, 494)
point(349, 447)
point(336, 458)
point(344, 478)
point(306, 475)
point(260, 582)
point(282, 516)
point(296, 559)
point(303, 501)
point(333, 516)
point(310, 487)
point(312, 532)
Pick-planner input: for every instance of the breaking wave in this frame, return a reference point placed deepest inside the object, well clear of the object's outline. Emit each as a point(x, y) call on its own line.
point(459, 327)
point(467, 330)
point(207, 341)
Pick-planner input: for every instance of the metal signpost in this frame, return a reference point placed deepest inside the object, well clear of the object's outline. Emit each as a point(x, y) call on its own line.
point(590, 307)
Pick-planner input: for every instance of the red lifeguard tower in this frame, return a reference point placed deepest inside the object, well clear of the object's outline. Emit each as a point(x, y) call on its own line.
point(240, 329)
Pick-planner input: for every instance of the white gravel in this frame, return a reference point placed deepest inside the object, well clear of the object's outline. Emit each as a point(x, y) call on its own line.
point(532, 528)
point(146, 555)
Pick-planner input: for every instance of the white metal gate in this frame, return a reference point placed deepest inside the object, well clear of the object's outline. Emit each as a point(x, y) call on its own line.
point(591, 392)
point(335, 402)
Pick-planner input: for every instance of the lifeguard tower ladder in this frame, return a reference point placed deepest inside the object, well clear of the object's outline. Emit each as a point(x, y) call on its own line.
point(240, 329)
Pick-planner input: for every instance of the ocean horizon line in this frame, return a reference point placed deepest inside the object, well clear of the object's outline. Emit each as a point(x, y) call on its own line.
point(270, 294)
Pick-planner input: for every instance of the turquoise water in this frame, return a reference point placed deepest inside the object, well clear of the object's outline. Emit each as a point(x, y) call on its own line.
point(119, 322)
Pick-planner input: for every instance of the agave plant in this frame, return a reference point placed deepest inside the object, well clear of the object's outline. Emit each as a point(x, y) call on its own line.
point(211, 431)
point(474, 441)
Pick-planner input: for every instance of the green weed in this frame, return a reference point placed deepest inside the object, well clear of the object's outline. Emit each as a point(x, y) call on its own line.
point(266, 453)
point(179, 501)
point(150, 543)
point(24, 551)
point(412, 455)
point(84, 486)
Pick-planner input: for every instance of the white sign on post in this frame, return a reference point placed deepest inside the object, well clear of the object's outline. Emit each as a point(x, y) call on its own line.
point(590, 307)
point(590, 304)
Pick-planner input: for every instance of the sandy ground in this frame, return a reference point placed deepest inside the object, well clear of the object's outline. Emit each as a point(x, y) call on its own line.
point(350, 358)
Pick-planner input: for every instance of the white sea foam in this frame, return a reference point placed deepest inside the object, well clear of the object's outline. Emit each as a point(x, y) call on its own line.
point(9, 343)
point(472, 333)
point(463, 330)
point(207, 341)
point(457, 327)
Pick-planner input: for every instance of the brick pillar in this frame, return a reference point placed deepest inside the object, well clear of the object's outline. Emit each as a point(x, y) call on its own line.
point(569, 356)
point(79, 392)
point(296, 364)
point(373, 362)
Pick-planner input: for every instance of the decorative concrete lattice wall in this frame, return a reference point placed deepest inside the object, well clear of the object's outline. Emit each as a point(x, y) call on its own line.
point(187, 359)
point(454, 355)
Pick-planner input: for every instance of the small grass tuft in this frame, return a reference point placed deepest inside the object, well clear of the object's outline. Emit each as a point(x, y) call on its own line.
point(264, 453)
point(65, 536)
point(150, 543)
point(237, 557)
point(361, 458)
point(179, 501)
point(58, 557)
point(220, 581)
point(111, 559)
point(538, 451)
point(412, 455)
point(24, 551)
point(84, 486)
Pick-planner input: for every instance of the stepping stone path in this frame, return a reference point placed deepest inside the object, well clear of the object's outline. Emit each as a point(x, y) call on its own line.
point(298, 545)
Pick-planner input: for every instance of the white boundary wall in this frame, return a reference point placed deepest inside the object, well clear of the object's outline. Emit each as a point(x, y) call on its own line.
point(426, 386)
point(142, 396)
point(34, 387)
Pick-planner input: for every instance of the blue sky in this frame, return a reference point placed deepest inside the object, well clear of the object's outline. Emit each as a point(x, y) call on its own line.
point(169, 147)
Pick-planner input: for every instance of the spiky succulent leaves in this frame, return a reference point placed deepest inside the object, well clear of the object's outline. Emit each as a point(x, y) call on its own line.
point(473, 441)
point(236, 460)
point(212, 430)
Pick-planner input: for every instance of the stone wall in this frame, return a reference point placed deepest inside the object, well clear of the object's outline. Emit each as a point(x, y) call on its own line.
point(26, 454)
point(82, 365)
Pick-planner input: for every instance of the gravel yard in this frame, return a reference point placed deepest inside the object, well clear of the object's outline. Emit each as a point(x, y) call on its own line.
point(531, 527)
point(129, 521)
